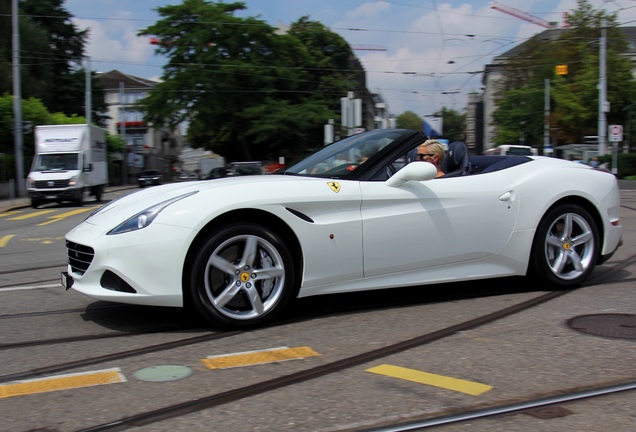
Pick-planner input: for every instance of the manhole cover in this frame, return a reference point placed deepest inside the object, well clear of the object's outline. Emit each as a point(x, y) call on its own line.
point(615, 326)
point(163, 373)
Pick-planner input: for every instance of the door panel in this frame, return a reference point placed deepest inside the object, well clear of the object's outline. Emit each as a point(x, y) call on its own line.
point(435, 222)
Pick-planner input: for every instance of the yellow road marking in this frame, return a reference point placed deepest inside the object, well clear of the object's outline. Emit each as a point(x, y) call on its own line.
point(61, 216)
point(62, 382)
point(43, 240)
point(10, 213)
point(5, 240)
point(30, 215)
point(258, 357)
point(469, 387)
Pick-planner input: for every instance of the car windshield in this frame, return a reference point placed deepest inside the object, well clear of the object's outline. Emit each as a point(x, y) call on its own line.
point(56, 161)
point(346, 155)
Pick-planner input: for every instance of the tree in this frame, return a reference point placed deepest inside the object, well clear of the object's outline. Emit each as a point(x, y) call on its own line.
point(453, 124)
point(409, 120)
point(51, 54)
point(246, 91)
point(574, 97)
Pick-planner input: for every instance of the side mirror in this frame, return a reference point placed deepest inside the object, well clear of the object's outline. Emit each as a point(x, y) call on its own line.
point(88, 168)
point(415, 171)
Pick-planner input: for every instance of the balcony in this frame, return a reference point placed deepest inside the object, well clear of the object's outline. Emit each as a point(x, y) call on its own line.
point(137, 126)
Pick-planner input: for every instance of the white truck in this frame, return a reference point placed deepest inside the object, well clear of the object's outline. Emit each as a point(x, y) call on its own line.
point(69, 164)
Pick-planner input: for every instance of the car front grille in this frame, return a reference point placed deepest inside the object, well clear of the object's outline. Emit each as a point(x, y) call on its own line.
point(79, 257)
point(51, 184)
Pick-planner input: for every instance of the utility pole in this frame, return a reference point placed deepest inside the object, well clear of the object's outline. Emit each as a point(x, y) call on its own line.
point(122, 129)
point(87, 95)
point(546, 117)
point(602, 92)
point(17, 102)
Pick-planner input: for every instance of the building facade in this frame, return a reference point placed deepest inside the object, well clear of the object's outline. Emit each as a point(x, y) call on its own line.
point(147, 147)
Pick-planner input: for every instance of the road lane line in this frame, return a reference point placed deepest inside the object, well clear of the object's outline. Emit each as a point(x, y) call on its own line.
point(441, 381)
point(31, 215)
point(61, 382)
point(10, 213)
point(30, 287)
point(5, 240)
point(59, 217)
point(250, 358)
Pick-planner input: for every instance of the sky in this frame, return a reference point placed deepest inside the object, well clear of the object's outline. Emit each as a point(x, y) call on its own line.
point(419, 55)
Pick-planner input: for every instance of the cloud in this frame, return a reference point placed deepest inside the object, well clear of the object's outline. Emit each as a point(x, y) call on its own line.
point(116, 42)
point(368, 10)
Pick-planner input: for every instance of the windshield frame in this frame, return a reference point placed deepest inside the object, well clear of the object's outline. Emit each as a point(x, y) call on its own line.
point(374, 146)
point(66, 161)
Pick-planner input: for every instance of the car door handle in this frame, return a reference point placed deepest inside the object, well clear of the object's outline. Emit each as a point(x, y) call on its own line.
point(507, 196)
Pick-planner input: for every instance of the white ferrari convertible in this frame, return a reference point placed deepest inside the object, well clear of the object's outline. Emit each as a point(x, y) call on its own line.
point(356, 215)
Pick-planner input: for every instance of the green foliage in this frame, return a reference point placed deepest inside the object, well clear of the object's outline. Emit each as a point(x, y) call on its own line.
point(574, 97)
point(114, 143)
point(52, 51)
point(247, 92)
point(625, 164)
point(409, 120)
point(453, 124)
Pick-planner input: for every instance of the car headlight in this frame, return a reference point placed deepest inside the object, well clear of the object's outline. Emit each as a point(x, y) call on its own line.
point(72, 181)
point(145, 217)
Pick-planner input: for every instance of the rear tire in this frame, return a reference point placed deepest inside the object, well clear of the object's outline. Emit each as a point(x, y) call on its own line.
point(243, 276)
point(565, 248)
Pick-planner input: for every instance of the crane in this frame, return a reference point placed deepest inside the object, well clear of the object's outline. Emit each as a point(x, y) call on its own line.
point(523, 15)
point(368, 48)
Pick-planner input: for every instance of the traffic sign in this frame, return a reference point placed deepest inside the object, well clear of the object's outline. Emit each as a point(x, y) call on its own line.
point(615, 133)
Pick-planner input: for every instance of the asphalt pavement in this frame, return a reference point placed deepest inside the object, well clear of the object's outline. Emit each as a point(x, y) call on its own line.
point(20, 203)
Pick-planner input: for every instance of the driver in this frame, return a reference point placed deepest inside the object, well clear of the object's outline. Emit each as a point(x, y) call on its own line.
point(432, 151)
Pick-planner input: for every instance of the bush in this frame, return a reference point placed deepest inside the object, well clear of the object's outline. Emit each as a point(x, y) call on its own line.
point(626, 164)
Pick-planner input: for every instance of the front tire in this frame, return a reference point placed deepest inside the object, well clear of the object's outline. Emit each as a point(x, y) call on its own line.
point(243, 276)
point(80, 198)
point(566, 247)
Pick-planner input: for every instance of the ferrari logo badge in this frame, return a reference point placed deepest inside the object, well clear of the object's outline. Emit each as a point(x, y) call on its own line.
point(245, 277)
point(566, 246)
point(335, 186)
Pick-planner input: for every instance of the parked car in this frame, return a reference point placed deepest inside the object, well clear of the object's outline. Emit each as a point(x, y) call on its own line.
point(238, 250)
point(149, 178)
point(237, 169)
point(246, 168)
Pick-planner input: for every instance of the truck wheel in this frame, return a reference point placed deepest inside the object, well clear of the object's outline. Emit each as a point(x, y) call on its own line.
point(80, 198)
point(98, 194)
point(35, 203)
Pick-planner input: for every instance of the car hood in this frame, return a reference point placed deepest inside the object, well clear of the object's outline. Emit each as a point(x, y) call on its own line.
point(232, 192)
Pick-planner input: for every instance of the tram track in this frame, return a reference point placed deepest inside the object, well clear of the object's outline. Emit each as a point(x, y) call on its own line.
point(603, 275)
point(510, 408)
point(222, 398)
point(214, 400)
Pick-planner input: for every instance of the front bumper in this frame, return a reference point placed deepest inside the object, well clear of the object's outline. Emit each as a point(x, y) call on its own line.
point(53, 195)
point(141, 267)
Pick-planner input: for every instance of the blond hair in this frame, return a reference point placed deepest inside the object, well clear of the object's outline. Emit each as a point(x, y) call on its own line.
point(435, 147)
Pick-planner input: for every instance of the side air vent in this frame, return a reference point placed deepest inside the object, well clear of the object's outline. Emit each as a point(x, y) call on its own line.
point(113, 282)
point(300, 215)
